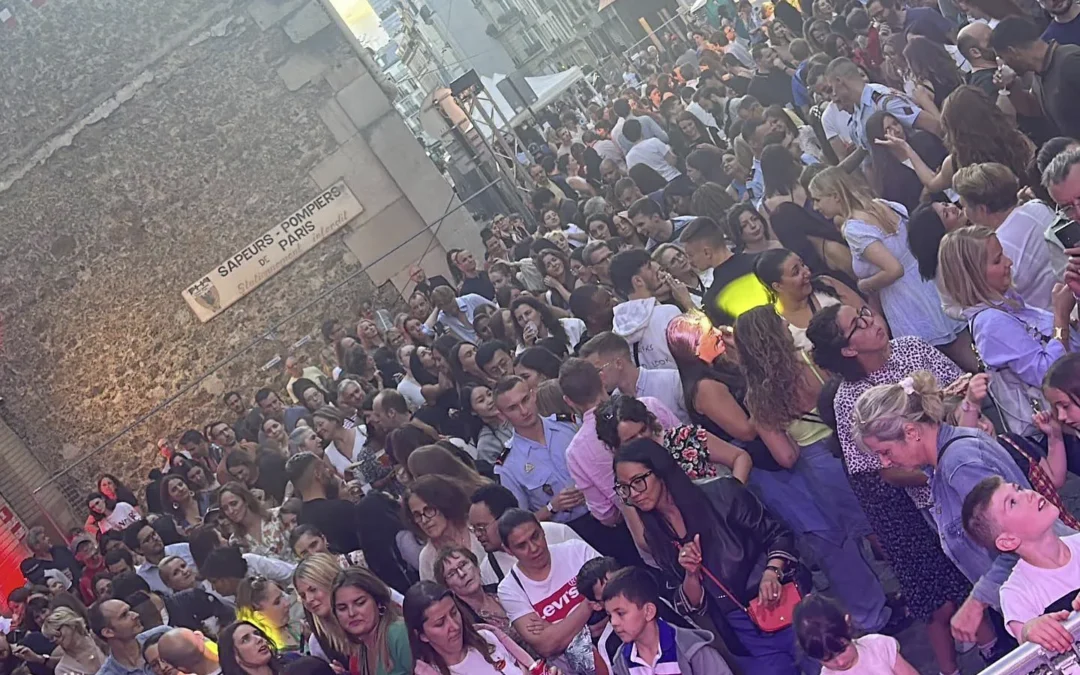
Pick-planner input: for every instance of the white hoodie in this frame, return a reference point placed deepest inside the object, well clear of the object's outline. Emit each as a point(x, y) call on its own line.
point(644, 323)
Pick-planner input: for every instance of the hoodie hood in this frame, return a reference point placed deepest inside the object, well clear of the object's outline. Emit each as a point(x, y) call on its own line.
point(691, 640)
point(632, 318)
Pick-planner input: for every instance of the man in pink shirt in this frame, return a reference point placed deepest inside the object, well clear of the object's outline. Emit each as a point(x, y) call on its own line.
point(587, 457)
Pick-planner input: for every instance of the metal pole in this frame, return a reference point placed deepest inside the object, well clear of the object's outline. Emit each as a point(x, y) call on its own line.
point(526, 213)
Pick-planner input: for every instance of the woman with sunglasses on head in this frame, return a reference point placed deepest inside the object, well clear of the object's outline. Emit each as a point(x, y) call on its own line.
point(437, 508)
point(711, 541)
point(265, 604)
point(245, 649)
point(378, 641)
point(854, 344)
point(444, 641)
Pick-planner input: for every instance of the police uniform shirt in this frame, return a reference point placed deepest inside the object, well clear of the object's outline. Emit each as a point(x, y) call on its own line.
point(536, 472)
point(879, 97)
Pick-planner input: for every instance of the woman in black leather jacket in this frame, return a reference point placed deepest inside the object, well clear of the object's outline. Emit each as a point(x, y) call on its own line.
point(722, 527)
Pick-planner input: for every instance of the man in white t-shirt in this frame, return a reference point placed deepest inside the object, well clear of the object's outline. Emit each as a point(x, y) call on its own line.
point(489, 503)
point(1037, 596)
point(834, 121)
point(540, 592)
point(652, 152)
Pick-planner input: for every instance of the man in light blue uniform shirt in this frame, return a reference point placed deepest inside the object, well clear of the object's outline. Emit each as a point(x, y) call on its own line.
point(534, 469)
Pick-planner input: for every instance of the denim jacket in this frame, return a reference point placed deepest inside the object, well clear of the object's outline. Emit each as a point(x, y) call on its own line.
point(966, 461)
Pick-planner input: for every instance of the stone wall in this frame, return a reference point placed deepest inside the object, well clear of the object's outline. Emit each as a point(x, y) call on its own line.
point(143, 144)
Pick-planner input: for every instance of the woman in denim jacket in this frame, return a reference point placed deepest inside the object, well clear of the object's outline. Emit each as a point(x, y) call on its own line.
point(902, 424)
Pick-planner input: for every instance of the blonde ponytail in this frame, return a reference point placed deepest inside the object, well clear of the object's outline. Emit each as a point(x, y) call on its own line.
point(882, 411)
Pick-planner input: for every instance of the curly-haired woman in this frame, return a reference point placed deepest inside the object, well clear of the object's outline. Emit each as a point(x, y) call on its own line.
point(782, 391)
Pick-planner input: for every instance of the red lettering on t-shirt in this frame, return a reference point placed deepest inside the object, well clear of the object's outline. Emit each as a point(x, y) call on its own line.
point(558, 605)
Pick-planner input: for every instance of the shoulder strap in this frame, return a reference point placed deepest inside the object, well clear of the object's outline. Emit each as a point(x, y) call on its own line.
point(497, 569)
point(637, 355)
point(813, 368)
point(941, 452)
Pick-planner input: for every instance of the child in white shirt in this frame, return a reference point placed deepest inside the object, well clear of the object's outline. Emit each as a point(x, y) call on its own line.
point(825, 634)
point(1042, 588)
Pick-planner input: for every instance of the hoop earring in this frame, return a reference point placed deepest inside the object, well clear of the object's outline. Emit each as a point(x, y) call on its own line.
point(382, 610)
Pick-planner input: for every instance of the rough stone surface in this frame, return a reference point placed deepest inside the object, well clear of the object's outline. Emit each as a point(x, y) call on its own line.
point(98, 241)
point(266, 13)
point(308, 21)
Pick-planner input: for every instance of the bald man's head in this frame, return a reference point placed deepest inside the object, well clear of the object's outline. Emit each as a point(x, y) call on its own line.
point(974, 43)
point(183, 649)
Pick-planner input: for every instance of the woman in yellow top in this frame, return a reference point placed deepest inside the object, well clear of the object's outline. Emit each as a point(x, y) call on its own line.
point(782, 392)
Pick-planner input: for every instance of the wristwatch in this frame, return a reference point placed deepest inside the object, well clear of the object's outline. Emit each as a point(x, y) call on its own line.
point(774, 568)
point(1060, 333)
point(551, 508)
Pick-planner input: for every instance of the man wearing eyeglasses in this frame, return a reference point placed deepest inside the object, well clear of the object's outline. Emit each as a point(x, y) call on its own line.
point(145, 540)
point(1061, 178)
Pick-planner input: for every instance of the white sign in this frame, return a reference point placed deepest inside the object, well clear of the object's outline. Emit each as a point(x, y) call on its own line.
point(301, 231)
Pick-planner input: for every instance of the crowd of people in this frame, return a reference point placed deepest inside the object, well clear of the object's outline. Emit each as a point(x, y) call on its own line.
point(794, 309)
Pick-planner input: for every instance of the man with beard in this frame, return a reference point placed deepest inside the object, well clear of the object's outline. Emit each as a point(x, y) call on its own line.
point(1065, 25)
point(225, 437)
point(248, 420)
point(314, 483)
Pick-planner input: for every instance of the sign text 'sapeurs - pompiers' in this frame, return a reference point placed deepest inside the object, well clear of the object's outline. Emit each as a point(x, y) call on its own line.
point(243, 271)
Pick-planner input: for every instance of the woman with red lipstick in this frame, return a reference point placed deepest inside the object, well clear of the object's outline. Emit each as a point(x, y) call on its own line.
point(378, 640)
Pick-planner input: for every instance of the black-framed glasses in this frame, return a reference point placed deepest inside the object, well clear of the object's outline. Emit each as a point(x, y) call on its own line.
point(637, 484)
point(862, 320)
point(426, 513)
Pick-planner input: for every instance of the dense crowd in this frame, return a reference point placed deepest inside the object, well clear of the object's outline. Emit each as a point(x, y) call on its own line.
point(794, 310)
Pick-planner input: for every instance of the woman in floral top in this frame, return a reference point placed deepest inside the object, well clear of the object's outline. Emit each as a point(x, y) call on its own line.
point(255, 529)
point(700, 454)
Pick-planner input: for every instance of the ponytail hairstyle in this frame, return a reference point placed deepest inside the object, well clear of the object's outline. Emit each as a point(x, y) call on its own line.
point(882, 411)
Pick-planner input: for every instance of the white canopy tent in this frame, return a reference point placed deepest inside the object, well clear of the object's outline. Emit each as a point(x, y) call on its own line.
point(547, 89)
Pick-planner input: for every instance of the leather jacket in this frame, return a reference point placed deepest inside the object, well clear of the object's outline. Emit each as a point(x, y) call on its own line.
point(738, 538)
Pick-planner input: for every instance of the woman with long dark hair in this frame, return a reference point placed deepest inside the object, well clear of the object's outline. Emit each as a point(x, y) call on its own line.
point(378, 641)
point(244, 649)
point(445, 642)
point(554, 265)
point(854, 344)
point(796, 293)
point(696, 134)
point(933, 67)
point(534, 321)
point(184, 504)
point(718, 532)
point(107, 514)
point(113, 488)
point(892, 178)
point(491, 431)
point(750, 232)
point(463, 365)
point(536, 365)
point(705, 164)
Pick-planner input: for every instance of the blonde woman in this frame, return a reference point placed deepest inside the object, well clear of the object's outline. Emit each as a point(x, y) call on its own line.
point(81, 654)
point(1016, 341)
point(673, 260)
point(903, 425)
point(876, 232)
point(314, 582)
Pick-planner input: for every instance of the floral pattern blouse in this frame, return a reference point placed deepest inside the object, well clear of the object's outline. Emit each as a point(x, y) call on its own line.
point(688, 445)
point(275, 540)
